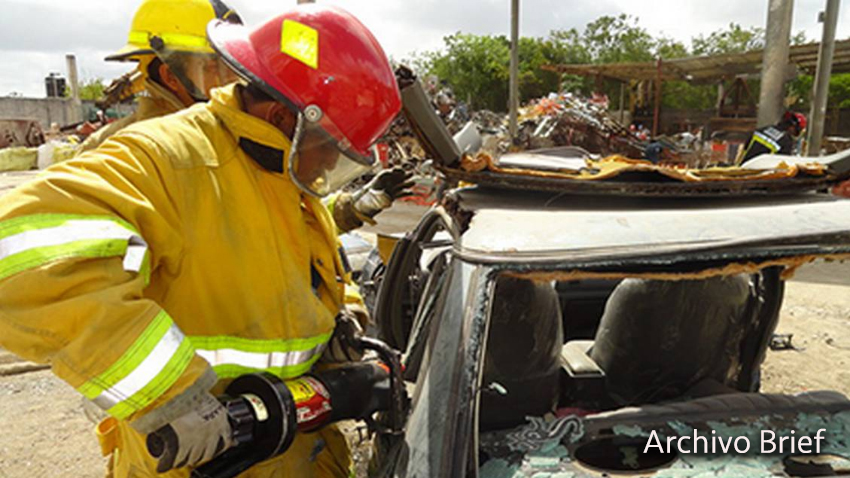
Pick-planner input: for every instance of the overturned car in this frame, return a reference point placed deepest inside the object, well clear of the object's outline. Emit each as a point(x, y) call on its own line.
point(548, 335)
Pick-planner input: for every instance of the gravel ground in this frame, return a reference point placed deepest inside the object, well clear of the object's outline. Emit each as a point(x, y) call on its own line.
point(819, 317)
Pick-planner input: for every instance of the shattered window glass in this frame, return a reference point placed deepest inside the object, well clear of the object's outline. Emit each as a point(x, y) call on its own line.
point(440, 396)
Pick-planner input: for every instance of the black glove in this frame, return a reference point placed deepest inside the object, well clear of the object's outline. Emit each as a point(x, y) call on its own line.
point(396, 182)
point(379, 193)
point(342, 346)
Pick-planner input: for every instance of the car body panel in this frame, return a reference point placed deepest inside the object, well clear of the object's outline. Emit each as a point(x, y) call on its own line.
point(548, 227)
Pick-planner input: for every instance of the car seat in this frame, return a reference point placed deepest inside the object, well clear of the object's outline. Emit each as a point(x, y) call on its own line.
point(522, 355)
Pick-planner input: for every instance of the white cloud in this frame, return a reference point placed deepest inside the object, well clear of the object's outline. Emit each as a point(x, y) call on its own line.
point(35, 35)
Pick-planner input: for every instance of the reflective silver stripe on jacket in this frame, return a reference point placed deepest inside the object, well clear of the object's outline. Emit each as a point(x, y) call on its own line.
point(74, 231)
point(259, 360)
point(145, 372)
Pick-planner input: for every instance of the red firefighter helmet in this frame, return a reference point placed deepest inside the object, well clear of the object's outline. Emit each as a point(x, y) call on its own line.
point(329, 69)
point(798, 119)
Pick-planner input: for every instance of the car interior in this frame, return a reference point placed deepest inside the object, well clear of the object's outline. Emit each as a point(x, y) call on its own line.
point(634, 351)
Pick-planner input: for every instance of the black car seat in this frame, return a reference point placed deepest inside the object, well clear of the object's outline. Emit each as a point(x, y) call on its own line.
point(522, 354)
point(657, 339)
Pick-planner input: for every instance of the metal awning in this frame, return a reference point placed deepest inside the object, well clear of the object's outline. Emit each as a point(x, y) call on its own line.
point(706, 68)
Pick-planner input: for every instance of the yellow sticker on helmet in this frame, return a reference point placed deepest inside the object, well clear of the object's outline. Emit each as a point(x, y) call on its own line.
point(300, 42)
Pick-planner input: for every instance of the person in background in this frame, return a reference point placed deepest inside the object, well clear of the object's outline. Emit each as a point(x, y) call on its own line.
point(176, 66)
point(775, 139)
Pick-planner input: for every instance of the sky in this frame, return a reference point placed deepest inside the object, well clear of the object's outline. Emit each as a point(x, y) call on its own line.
point(35, 35)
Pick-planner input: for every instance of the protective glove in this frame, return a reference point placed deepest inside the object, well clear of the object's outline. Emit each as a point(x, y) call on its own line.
point(193, 438)
point(379, 193)
point(342, 347)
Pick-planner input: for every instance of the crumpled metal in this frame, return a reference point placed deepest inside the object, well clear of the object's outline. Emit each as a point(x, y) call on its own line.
point(613, 166)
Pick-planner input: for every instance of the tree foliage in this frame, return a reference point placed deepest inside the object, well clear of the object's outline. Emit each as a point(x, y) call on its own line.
point(734, 39)
point(617, 39)
point(477, 67)
point(839, 91)
point(90, 89)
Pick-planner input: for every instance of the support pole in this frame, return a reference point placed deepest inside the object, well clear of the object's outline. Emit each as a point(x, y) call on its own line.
point(775, 61)
point(656, 117)
point(817, 116)
point(513, 94)
point(721, 91)
point(622, 102)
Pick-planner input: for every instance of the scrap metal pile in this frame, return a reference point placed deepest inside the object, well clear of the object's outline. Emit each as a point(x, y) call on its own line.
point(561, 119)
point(20, 133)
point(24, 145)
point(566, 119)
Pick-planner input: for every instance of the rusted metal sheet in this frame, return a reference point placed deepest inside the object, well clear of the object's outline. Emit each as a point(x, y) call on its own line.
point(26, 133)
point(631, 186)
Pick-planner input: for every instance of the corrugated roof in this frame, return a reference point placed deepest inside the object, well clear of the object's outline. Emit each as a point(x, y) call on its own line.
point(704, 68)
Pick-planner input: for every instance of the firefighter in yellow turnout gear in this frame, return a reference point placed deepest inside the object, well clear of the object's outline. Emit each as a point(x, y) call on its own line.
point(194, 248)
point(177, 67)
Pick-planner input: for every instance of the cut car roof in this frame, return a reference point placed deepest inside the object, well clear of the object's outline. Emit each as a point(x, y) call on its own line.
point(499, 226)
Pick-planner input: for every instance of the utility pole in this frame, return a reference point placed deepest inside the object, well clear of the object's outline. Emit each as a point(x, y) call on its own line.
point(774, 67)
point(656, 113)
point(817, 116)
point(513, 95)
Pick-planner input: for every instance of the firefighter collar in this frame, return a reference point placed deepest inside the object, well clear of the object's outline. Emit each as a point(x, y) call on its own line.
point(264, 143)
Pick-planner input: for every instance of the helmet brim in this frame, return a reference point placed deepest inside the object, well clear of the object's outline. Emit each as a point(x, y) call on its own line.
point(129, 53)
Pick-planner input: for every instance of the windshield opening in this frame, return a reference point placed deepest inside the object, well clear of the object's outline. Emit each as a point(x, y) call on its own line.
point(528, 371)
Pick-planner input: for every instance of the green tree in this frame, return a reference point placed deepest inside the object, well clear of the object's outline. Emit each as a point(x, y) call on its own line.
point(476, 67)
point(617, 39)
point(567, 46)
point(534, 81)
point(564, 47)
point(839, 91)
point(90, 89)
point(734, 39)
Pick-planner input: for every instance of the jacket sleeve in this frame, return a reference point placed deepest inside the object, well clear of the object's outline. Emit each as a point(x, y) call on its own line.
point(79, 246)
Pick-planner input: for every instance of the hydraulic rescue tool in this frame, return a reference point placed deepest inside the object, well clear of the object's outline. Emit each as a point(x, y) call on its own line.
point(266, 412)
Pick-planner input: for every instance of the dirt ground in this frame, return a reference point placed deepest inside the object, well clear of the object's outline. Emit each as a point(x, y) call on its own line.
point(819, 317)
